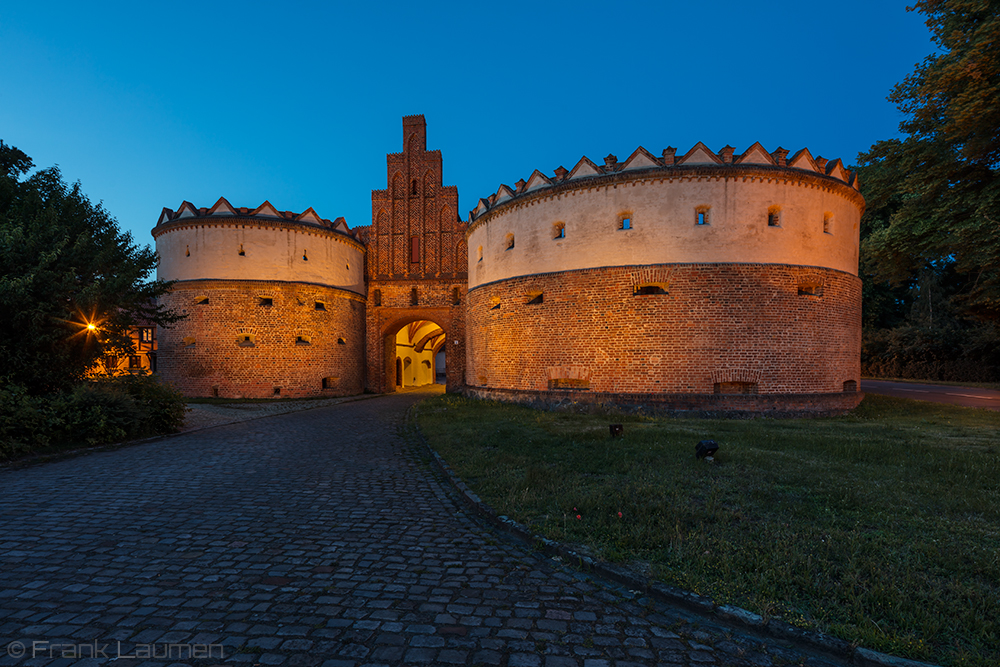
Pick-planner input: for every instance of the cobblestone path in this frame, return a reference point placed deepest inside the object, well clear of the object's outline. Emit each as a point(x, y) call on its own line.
point(315, 538)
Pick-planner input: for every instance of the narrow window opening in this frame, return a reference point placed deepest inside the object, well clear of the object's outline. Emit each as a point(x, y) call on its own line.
point(414, 297)
point(414, 249)
point(827, 223)
point(456, 296)
point(341, 341)
point(330, 383)
point(242, 252)
point(559, 230)
point(735, 388)
point(245, 340)
point(774, 216)
point(187, 251)
point(626, 223)
point(215, 391)
point(479, 254)
point(277, 391)
point(320, 305)
point(377, 297)
point(510, 242)
point(305, 257)
point(652, 288)
point(701, 215)
point(266, 301)
point(413, 187)
point(202, 301)
point(810, 289)
point(535, 299)
point(303, 340)
point(495, 303)
point(189, 342)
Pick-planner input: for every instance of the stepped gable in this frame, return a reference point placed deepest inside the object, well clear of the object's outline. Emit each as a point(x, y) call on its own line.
point(699, 156)
point(223, 209)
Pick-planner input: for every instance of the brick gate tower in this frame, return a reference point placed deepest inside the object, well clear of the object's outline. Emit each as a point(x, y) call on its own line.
point(417, 264)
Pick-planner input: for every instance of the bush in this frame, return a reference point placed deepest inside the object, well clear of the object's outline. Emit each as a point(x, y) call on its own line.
point(94, 413)
point(969, 354)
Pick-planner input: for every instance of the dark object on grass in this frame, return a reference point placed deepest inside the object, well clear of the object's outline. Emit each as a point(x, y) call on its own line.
point(705, 448)
point(617, 430)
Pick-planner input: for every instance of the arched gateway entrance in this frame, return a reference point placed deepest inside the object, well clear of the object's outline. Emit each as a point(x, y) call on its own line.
point(410, 347)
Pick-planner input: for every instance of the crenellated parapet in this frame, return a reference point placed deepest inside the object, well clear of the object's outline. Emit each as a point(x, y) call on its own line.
point(223, 211)
point(698, 160)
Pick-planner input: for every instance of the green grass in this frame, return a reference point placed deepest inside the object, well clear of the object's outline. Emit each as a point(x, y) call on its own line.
point(881, 527)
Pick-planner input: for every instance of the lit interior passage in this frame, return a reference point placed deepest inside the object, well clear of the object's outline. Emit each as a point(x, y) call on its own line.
point(420, 354)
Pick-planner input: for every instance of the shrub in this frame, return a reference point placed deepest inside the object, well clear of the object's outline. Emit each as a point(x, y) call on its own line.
point(93, 413)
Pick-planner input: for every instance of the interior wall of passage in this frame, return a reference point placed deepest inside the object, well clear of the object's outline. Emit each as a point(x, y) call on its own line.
point(418, 367)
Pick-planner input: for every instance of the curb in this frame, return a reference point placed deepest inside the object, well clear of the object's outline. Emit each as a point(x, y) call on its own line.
point(854, 655)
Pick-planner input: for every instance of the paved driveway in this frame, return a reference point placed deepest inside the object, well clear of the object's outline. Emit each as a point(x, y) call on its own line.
point(970, 397)
point(314, 538)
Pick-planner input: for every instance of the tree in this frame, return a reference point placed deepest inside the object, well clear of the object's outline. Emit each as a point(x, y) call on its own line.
point(65, 264)
point(934, 197)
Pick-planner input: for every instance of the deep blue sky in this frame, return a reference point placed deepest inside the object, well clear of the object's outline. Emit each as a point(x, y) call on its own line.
point(149, 104)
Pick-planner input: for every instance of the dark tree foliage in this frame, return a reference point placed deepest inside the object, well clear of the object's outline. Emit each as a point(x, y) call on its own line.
point(934, 197)
point(64, 263)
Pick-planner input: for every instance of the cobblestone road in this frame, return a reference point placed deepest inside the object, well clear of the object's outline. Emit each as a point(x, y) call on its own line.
point(315, 538)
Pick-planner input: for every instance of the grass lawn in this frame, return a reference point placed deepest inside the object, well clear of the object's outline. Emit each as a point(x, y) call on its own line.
point(881, 527)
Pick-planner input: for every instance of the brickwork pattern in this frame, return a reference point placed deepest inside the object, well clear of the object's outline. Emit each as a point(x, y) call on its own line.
point(415, 208)
point(285, 546)
point(294, 345)
point(709, 323)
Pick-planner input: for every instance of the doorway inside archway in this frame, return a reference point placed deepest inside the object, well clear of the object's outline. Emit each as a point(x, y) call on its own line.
point(420, 354)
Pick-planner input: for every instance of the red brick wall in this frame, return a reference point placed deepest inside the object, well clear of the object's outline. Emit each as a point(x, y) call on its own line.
point(398, 216)
point(717, 323)
point(275, 360)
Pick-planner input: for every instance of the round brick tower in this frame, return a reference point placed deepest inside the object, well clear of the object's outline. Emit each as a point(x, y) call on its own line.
point(714, 283)
point(274, 302)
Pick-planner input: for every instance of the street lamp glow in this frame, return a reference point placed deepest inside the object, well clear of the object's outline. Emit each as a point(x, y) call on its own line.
point(91, 327)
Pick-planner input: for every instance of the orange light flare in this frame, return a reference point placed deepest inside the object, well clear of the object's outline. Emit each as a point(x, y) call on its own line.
point(88, 327)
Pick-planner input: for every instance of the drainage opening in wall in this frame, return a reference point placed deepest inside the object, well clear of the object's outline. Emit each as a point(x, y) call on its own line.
point(735, 388)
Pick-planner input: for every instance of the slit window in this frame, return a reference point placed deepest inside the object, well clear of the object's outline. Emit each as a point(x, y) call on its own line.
point(810, 289)
point(414, 249)
point(535, 298)
point(414, 297)
point(215, 391)
point(735, 388)
point(277, 391)
point(319, 306)
point(510, 242)
point(702, 215)
point(495, 303)
point(266, 301)
point(242, 252)
point(189, 342)
point(187, 251)
point(828, 223)
point(305, 256)
point(201, 301)
point(377, 297)
point(303, 340)
point(456, 296)
point(341, 341)
point(413, 187)
point(479, 254)
point(559, 230)
point(774, 217)
point(649, 289)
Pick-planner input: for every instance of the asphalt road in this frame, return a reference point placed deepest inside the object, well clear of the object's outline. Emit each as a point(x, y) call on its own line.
point(970, 397)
